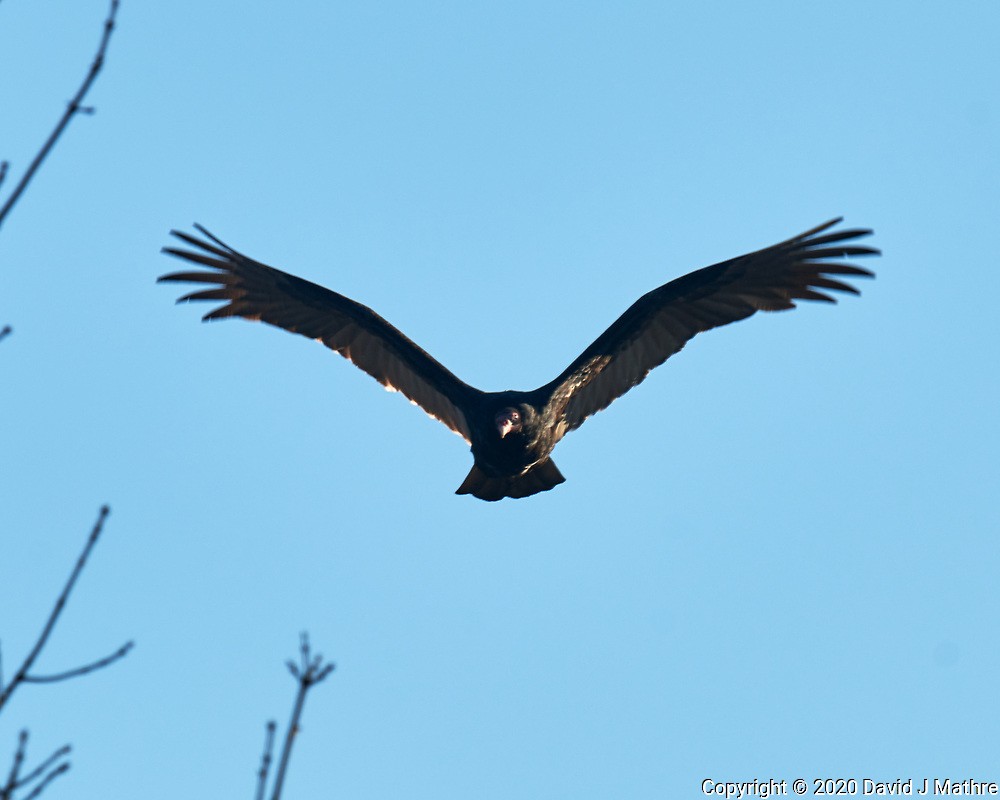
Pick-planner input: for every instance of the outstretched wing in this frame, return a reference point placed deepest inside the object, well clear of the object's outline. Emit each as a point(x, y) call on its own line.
point(255, 291)
point(661, 322)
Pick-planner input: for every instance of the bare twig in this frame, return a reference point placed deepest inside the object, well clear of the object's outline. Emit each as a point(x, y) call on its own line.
point(62, 768)
point(72, 109)
point(62, 752)
point(49, 768)
point(310, 671)
point(22, 676)
point(121, 652)
point(15, 769)
point(265, 761)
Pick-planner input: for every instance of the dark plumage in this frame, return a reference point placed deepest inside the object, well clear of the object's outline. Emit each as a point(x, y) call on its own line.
point(513, 433)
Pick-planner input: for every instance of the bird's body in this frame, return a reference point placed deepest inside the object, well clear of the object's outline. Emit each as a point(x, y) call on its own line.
point(512, 434)
point(515, 463)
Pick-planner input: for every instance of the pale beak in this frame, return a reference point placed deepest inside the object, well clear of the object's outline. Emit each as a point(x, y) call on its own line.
point(505, 426)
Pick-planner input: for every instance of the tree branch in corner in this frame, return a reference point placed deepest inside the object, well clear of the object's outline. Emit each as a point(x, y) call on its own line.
point(72, 110)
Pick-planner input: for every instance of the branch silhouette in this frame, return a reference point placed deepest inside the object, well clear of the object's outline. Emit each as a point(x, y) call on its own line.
point(73, 108)
point(50, 769)
point(265, 761)
point(38, 779)
point(308, 672)
point(121, 652)
point(23, 673)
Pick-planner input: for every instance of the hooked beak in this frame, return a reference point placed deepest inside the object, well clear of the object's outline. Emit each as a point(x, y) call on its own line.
point(508, 421)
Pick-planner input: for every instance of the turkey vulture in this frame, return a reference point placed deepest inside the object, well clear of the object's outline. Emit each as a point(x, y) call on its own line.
point(512, 434)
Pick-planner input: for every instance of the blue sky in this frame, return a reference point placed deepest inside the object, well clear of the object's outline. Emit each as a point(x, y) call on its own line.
point(775, 558)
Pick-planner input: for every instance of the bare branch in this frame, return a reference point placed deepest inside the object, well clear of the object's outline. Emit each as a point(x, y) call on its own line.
point(72, 109)
point(15, 769)
point(121, 652)
point(62, 752)
point(62, 768)
point(22, 674)
point(265, 762)
point(293, 729)
point(48, 766)
point(311, 671)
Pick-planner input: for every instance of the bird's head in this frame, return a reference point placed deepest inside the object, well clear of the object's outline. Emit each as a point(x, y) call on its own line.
point(508, 421)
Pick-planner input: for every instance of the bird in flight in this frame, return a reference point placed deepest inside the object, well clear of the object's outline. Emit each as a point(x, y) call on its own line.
point(512, 434)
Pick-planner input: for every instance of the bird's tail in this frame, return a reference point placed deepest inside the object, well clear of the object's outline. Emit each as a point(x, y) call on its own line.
point(540, 478)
